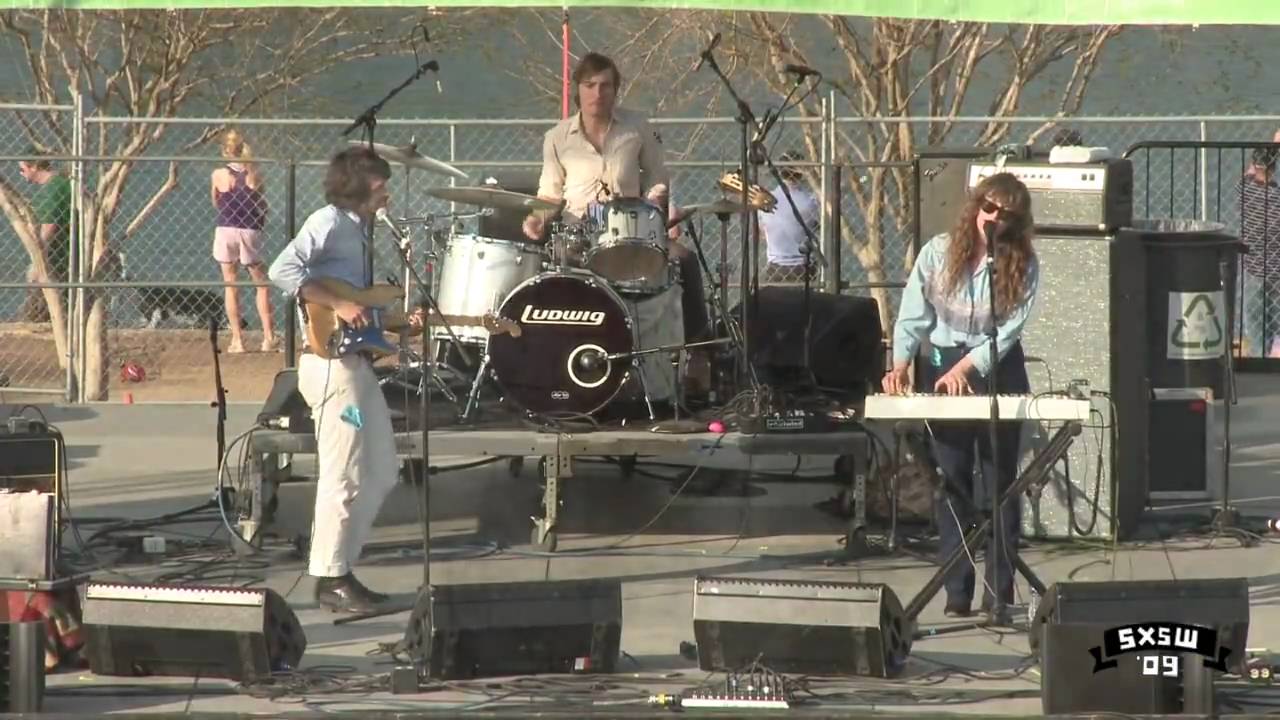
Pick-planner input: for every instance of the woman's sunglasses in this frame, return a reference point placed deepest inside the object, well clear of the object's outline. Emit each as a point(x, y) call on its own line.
point(990, 207)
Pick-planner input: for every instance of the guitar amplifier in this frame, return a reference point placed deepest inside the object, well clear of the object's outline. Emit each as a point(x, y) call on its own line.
point(31, 455)
point(1097, 197)
point(221, 632)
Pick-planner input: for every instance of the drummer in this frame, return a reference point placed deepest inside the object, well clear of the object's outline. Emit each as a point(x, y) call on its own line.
point(606, 152)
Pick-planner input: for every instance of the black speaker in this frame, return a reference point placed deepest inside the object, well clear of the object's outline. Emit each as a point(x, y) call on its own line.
point(22, 666)
point(491, 629)
point(286, 405)
point(31, 456)
point(1073, 616)
point(221, 632)
point(820, 628)
point(942, 181)
point(846, 343)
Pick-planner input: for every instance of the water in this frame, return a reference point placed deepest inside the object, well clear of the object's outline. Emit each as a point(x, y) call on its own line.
point(1212, 70)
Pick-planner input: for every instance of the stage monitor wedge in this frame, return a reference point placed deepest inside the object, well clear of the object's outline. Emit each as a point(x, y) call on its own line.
point(493, 629)
point(213, 632)
point(1073, 616)
point(817, 628)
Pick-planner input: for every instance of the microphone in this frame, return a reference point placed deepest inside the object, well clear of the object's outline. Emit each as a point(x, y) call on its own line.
point(802, 71)
point(706, 54)
point(989, 231)
point(401, 240)
point(434, 67)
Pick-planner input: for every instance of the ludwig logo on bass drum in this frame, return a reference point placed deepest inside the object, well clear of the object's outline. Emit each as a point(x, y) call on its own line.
point(545, 316)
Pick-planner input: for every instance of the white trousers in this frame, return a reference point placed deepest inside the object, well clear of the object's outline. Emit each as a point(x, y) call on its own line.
point(356, 450)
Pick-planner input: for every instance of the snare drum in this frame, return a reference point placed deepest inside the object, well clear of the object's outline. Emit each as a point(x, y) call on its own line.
point(477, 273)
point(570, 322)
point(631, 249)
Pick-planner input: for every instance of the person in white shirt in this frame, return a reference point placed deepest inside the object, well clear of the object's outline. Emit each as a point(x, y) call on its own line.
point(785, 237)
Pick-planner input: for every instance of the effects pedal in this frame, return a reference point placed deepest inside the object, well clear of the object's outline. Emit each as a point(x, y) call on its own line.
point(794, 420)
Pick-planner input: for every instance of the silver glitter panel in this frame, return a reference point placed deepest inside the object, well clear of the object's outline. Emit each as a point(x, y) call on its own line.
point(1070, 333)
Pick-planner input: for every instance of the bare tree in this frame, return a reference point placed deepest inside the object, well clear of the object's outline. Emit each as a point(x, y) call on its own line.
point(152, 64)
point(886, 71)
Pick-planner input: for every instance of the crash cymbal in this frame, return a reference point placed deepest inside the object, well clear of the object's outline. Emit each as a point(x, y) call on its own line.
point(409, 156)
point(492, 198)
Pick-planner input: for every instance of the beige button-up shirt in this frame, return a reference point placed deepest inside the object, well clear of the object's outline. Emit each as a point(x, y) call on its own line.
point(629, 165)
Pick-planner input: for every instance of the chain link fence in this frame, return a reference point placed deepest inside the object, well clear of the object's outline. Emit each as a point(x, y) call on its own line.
point(149, 223)
point(30, 361)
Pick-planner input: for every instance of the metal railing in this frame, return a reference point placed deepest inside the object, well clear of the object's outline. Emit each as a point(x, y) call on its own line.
point(1204, 179)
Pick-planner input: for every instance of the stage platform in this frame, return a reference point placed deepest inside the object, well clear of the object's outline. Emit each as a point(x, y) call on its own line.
point(136, 461)
point(272, 451)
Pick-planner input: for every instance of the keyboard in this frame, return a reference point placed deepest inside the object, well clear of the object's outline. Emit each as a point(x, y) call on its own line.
point(928, 406)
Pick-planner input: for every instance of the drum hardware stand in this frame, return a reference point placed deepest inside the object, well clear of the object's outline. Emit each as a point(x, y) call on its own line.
point(719, 299)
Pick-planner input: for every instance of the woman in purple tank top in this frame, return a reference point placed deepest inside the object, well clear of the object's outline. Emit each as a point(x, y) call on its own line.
point(236, 191)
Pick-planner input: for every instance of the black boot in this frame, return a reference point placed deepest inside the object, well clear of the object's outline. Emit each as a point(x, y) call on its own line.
point(344, 594)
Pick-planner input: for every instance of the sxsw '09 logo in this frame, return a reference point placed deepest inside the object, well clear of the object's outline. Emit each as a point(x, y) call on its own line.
point(1162, 646)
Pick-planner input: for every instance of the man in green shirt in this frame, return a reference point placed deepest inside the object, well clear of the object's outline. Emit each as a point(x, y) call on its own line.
point(51, 204)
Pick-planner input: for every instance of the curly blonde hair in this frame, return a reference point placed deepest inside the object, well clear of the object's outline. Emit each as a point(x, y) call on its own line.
point(1013, 251)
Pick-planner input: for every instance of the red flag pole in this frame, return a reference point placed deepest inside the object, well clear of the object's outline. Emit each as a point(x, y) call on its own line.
point(564, 68)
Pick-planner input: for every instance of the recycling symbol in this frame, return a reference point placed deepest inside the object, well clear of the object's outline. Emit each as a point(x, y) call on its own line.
point(1199, 326)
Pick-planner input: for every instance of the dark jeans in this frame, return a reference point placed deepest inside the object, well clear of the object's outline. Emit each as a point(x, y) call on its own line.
point(954, 445)
point(693, 300)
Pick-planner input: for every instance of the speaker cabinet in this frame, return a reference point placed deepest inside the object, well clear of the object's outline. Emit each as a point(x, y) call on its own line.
point(22, 666)
point(491, 629)
point(221, 632)
point(846, 344)
point(1073, 616)
point(1089, 324)
point(820, 628)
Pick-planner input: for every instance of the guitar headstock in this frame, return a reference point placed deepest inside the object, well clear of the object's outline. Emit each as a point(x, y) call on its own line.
point(757, 197)
point(498, 325)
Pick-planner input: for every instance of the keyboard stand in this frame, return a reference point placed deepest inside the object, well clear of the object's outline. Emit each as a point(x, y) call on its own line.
point(1035, 472)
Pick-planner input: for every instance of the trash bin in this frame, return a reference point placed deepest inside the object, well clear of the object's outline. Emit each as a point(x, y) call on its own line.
point(1190, 291)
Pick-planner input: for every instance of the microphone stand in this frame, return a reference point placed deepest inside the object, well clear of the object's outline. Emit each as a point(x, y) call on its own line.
point(717, 302)
point(369, 121)
point(994, 488)
point(750, 229)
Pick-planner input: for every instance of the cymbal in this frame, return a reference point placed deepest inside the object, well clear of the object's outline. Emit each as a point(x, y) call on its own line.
point(720, 207)
point(409, 156)
point(492, 198)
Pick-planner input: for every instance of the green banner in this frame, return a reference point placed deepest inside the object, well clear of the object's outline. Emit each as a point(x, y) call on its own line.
point(1055, 12)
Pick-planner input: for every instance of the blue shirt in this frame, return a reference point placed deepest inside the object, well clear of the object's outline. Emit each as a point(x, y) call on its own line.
point(961, 319)
point(330, 244)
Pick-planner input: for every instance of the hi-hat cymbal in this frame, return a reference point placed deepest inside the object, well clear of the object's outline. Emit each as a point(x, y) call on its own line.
point(409, 156)
point(720, 207)
point(492, 198)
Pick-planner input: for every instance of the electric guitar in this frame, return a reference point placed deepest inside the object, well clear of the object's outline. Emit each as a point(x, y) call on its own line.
point(330, 337)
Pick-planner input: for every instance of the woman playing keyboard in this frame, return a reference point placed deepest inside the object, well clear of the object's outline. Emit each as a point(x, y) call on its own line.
point(946, 301)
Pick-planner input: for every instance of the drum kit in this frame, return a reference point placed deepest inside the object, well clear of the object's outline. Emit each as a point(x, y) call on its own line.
point(595, 302)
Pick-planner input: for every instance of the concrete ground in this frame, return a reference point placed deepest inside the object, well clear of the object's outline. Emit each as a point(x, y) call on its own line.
point(140, 461)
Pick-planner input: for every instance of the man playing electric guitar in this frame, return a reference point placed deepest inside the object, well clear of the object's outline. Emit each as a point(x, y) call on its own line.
point(355, 443)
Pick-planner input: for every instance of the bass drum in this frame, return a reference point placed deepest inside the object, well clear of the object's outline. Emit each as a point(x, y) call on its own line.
point(570, 321)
